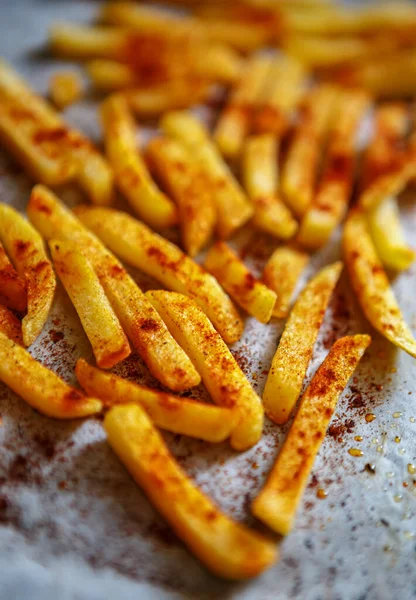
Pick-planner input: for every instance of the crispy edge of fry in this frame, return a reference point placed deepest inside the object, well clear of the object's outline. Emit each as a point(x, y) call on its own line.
point(12, 287)
point(179, 415)
point(27, 252)
point(131, 173)
point(371, 284)
point(103, 329)
point(290, 362)
point(281, 274)
point(225, 547)
point(39, 387)
point(10, 326)
point(220, 373)
point(65, 88)
point(137, 245)
point(251, 294)
point(277, 503)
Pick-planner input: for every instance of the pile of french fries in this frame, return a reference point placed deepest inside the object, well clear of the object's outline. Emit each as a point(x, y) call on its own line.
point(283, 159)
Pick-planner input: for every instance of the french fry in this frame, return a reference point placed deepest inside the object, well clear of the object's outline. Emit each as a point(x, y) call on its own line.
point(260, 174)
point(235, 120)
point(162, 355)
point(233, 207)
point(12, 287)
point(110, 75)
point(289, 365)
point(277, 503)
point(179, 415)
point(252, 295)
point(227, 548)
point(131, 174)
point(281, 274)
point(371, 284)
point(82, 41)
point(220, 373)
point(241, 36)
point(299, 172)
point(10, 325)
point(26, 250)
point(42, 389)
point(108, 341)
point(330, 204)
point(157, 99)
point(65, 88)
point(134, 243)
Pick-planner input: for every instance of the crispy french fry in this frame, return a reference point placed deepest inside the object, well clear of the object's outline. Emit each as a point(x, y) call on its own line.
point(371, 284)
point(134, 243)
point(331, 201)
point(82, 41)
point(277, 503)
point(281, 275)
point(108, 341)
point(289, 365)
point(109, 75)
point(172, 95)
point(241, 36)
point(234, 122)
point(220, 373)
point(260, 174)
point(186, 182)
point(65, 88)
point(225, 547)
point(164, 358)
point(12, 287)
point(233, 207)
point(131, 174)
point(299, 172)
point(10, 325)
point(257, 299)
point(26, 250)
point(179, 415)
point(39, 387)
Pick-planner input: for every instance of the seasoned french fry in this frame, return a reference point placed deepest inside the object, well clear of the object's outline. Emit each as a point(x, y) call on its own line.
point(179, 415)
point(371, 284)
point(164, 358)
point(39, 387)
point(331, 201)
point(10, 325)
point(220, 373)
point(294, 352)
point(12, 287)
point(241, 36)
point(227, 548)
point(234, 122)
point(281, 275)
point(260, 174)
point(172, 95)
point(277, 503)
point(134, 243)
point(299, 173)
point(82, 41)
point(131, 174)
point(26, 250)
point(186, 182)
point(108, 341)
point(109, 75)
point(233, 207)
point(257, 299)
point(65, 88)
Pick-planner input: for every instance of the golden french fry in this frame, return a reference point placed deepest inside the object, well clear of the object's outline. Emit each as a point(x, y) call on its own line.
point(179, 415)
point(140, 321)
point(331, 201)
point(233, 207)
point(157, 99)
point(299, 172)
point(39, 387)
point(371, 284)
point(186, 182)
point(82, 41)
point(289, 365)
point(227, 548)
point(281, 274)
point(131, 174)
point(252, 295)
point(65, 88)
point(277, 503)
point(245, 37)
point(220, 373)
point(108, 341)
point(12, 287)
point(10, 325)
point(109, 75)
point(260, 175)
point(26, 250)
point(134, 243)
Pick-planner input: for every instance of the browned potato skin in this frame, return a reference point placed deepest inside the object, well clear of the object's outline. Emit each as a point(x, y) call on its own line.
point(10, 325)
point(12, 287)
